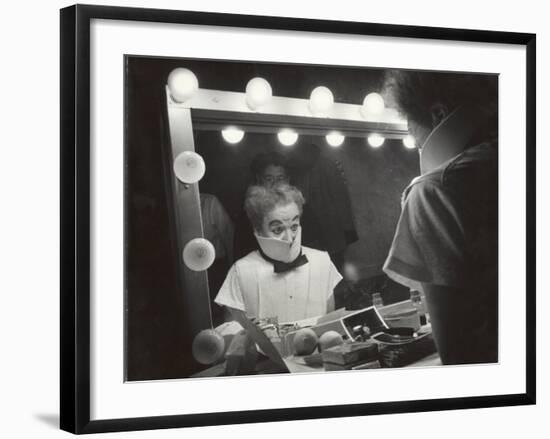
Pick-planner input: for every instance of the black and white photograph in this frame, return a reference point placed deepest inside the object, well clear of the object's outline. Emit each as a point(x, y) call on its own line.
point(275, 219)
point(296, 218)
point(278, 218)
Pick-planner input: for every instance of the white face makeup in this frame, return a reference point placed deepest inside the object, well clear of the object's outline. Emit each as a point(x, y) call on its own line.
point(282, 222)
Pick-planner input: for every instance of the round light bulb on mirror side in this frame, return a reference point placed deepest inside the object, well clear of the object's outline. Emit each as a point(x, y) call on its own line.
point(189, 167)
point(182, 84)
point(232, 135)
point(287, 137)
point(375, 140)
point(199, 254)
point(208, 346)
point(335, 138)
point(373, 105)
point(258, 93)
point(321, 101)
point(409, 142)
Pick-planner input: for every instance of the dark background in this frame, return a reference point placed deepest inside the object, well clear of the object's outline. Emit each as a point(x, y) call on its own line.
point(158, 344)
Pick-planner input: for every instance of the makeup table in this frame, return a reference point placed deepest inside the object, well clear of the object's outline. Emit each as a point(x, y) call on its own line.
point(426, 357)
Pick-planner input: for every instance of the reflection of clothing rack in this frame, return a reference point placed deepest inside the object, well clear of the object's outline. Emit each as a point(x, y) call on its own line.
point(327, 197)
point(217, 226)
point(218, 229)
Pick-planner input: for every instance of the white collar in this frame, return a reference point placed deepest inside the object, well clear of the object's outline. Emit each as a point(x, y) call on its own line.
point(450, 137)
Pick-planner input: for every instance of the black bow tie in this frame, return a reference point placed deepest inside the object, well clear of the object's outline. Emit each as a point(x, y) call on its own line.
point(282, 267)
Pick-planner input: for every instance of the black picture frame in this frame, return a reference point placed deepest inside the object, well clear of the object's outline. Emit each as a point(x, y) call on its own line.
point(75, 217)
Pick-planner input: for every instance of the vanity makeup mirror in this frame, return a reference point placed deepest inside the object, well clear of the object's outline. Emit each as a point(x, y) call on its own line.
point(344, 147)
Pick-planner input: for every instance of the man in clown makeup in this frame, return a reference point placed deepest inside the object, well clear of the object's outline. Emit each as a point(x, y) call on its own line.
point(281, 278)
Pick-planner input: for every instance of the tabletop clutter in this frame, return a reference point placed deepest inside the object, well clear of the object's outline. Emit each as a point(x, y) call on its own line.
point(368, 338)
point(351, 340)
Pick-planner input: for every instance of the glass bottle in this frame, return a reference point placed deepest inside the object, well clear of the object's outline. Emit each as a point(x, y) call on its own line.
point(377, 300)
point(419, 303)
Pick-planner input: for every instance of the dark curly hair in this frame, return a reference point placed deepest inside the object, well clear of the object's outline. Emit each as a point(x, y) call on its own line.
point(265, 159)
point(415, 93)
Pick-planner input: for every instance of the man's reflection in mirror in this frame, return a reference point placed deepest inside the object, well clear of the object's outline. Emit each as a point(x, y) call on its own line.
point(218, 229)
point(327, 214)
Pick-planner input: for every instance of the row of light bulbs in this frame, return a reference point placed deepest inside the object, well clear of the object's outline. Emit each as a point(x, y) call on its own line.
point(189, 166)
point(288, 137)
point(183, 84)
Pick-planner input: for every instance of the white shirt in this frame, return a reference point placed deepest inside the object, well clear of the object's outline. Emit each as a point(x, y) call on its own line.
point(252, 286)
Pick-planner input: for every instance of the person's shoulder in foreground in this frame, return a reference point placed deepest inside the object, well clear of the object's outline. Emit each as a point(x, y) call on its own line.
point(479, 160)
point(439, 211)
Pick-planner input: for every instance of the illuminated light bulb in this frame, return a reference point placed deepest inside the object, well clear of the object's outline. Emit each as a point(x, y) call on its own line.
point(375, 140)
point(182, 84)
point(199, 254)
point(409, 142)
point(287, 137)
point(335, 139)
point(208, 346)
point(373, 105)
point(321, 101)
point(189, 167)
point(232, 135)
point(258, 93)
